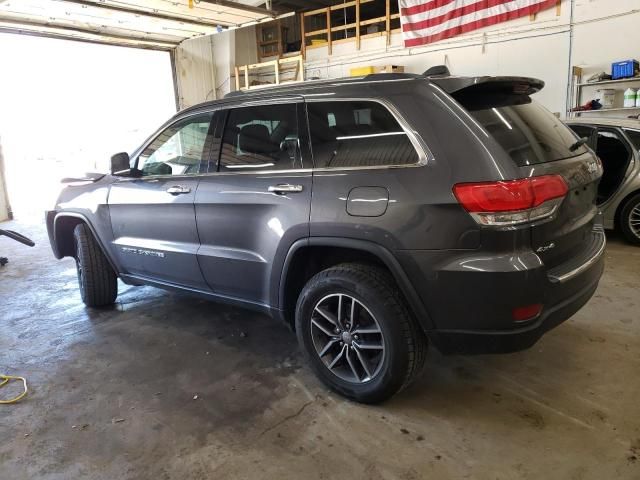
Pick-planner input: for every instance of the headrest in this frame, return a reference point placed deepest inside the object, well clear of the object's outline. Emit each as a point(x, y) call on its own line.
point(256, 139)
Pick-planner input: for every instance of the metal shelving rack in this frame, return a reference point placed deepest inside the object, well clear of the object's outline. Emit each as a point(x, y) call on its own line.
point(578, 85)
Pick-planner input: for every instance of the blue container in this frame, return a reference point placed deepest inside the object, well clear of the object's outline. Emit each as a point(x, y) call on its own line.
point(625, 69)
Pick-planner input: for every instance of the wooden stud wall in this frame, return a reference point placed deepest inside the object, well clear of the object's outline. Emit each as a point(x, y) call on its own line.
point(326, 32)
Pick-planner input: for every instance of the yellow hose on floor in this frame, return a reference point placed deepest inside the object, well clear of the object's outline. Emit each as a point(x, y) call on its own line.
point(5, 379)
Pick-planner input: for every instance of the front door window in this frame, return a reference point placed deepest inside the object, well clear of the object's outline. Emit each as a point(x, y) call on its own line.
point(179, 149)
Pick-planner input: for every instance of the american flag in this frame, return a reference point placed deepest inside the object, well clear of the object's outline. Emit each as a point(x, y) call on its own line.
point(427, 21)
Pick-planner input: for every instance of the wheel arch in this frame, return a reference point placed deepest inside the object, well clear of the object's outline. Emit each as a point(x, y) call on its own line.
point(306, 257)
point(63, 227)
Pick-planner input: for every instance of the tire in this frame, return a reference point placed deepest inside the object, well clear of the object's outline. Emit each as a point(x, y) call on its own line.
point(631, 212)
point(379, 308)
point(97, 281)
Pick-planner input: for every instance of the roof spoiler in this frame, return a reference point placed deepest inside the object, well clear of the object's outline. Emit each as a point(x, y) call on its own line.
point(437, 71)
point(479, 85)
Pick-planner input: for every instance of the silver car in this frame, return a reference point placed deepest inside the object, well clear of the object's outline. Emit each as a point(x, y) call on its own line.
point(617, 143)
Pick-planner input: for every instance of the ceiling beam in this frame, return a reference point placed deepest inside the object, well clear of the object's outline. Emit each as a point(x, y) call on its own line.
point(241, 6)
point(145, 13)
point(61, 36)
point(29, 23)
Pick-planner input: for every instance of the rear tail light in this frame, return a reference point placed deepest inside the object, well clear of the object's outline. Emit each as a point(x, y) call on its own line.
point(512, 202)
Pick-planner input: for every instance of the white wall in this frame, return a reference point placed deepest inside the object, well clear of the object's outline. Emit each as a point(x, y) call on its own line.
point(602, 31)
point(195, 71)
point(4, 197)
point(205, 65)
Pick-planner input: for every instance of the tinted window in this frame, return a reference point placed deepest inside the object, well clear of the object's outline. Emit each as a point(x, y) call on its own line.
point(261, 138)
point(582, 130)
point(357, 134)
point(528, 132)
point(634, 136)
point(178, 150)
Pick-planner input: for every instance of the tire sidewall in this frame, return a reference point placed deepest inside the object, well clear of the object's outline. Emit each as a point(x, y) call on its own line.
point(392, 374)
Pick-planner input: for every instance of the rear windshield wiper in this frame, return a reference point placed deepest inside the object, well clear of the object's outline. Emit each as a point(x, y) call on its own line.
point(578, 144)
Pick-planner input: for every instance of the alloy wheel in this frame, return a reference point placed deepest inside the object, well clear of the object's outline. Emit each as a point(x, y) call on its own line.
point(634, 220)
point(347, 338)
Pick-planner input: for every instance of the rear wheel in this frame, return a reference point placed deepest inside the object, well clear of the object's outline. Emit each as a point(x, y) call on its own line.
point(97, 281)
point(630, 219)
point(357, 332)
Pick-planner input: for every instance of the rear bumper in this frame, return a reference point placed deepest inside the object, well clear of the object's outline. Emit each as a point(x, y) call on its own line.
point(471, 299)
point(507, 341)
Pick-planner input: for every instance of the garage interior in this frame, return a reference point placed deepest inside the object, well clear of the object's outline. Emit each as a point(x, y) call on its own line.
point(167, 385)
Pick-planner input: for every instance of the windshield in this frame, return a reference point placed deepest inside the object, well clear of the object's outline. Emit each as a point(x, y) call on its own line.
point(527, 131)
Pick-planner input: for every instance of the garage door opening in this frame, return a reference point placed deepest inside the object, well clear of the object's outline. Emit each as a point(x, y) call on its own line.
point(66, 107)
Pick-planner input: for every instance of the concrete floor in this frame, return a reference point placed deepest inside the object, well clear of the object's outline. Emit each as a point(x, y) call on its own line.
point(113, 392)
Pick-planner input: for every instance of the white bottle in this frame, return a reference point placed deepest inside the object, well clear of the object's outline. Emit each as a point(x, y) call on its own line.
point(638, 99)
point(630, 95)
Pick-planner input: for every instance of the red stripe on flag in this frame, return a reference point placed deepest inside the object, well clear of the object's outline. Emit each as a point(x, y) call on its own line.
point(458, 12)
point(484, 22)
point(424, 7)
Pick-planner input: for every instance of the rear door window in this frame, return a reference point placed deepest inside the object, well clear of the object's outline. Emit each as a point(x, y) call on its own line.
point(584, 131)
point(634, 136)
point(261, 137)
point(528, 132)
point(357, 134)
point(615, 154)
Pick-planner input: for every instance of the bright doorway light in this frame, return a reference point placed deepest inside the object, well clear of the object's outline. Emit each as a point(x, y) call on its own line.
point(66, 107)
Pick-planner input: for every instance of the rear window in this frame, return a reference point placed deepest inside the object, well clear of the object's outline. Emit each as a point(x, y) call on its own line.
point(528, 132)
point(634, 136)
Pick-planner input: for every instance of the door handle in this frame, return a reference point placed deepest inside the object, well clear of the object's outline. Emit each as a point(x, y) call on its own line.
point(283, 188)
point(178, 190)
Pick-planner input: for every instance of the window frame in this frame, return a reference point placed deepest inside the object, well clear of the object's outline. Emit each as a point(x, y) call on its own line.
point(135, 157)
point(424, 154)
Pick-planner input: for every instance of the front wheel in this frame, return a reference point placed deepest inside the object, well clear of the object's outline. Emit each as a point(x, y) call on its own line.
point(630, 219)
point(357, 332)
point(97, 281)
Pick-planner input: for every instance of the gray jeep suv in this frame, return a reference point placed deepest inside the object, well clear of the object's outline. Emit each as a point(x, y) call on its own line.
point(371, 214)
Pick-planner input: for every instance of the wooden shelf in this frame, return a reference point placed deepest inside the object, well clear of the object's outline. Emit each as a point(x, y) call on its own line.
point(609, 82)
point(608, 110)
point(323, 27)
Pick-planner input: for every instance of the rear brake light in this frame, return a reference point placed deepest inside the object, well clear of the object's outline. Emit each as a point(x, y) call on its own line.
point(512, 202)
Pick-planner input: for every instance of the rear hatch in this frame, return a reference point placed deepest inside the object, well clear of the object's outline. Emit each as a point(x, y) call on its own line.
point(539, 144)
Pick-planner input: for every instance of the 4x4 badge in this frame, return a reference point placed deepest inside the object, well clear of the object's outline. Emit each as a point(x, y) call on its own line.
point(546, 248)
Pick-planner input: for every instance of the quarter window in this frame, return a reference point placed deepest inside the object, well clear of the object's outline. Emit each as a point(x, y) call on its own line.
point(261, 138)
point(178, 150)
point(357, 134)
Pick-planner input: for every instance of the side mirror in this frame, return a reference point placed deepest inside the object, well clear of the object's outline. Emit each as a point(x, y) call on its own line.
point(120, 164)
